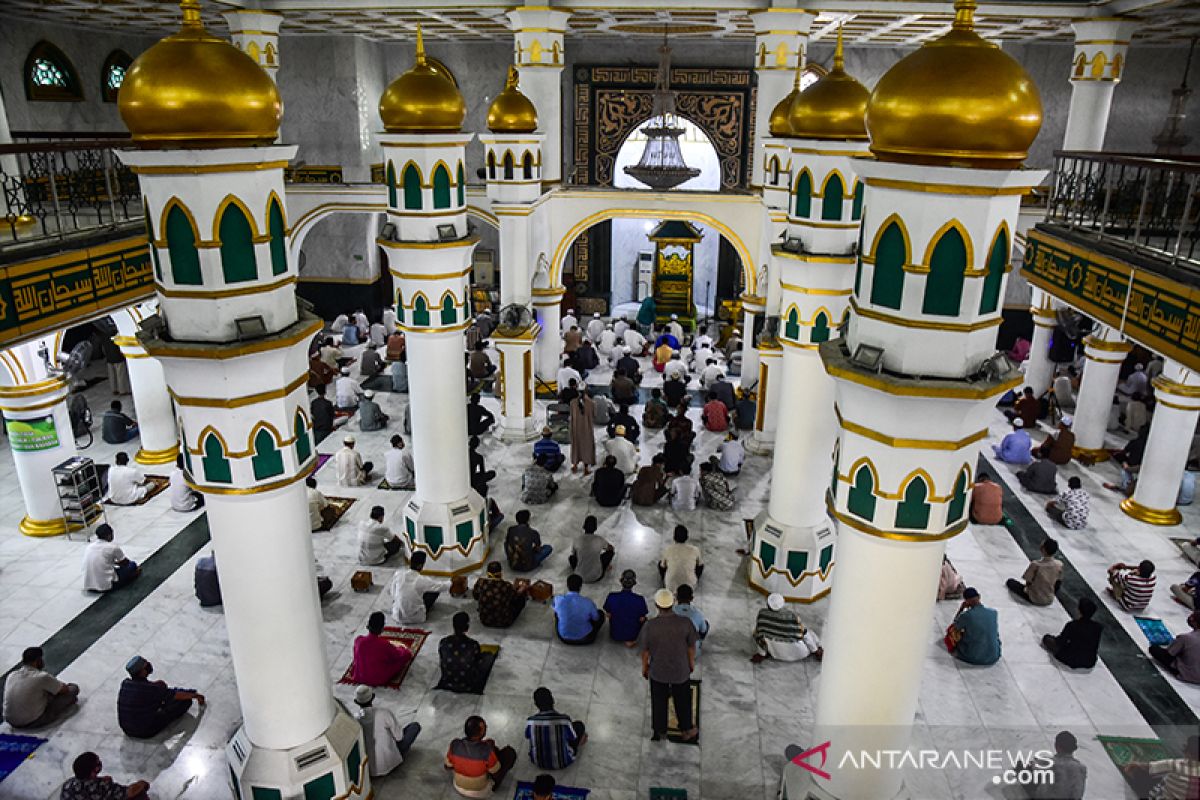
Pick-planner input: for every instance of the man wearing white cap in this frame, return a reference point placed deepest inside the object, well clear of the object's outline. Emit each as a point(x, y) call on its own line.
point(569, 320)
point(351, 469)
point(595, 327)
point(1016, 447)
point(370, 415)
point(1058, 446)
point(605, 343)
point(779, 634)
point(668, 647)
point(387, 743)
point(623, 450)
point(675, 329)
point(346, 391)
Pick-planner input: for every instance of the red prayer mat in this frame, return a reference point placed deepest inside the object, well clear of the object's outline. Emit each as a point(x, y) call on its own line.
point(412, 638)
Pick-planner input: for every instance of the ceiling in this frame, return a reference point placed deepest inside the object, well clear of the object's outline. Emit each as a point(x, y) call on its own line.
point(866, 22)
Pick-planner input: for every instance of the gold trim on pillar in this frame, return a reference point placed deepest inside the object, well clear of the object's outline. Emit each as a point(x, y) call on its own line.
point(32, 389)
point(1111, 347)
point(761, 411)
point(157, 457)
point(245, 400)
point(1174, 387)
point(1096, 454)
point(1152, 516)
point(915, 444)
point(42, 527)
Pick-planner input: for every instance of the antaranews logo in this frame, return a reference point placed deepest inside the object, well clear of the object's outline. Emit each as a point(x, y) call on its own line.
point(1011, 767)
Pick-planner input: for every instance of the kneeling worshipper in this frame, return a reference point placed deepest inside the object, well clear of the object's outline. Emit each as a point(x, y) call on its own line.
point(387, 742)
point(144, 707)
point(183, 497)
point(626, 610)
point(576, 618)
point(975, 632)
point(1079, 642)
point(1015, 447)
point(34, 697)
point(500, 601)
point(89, 784)
point(376, 659)
point(779, 634)
point(126, 485)
point(464, 665)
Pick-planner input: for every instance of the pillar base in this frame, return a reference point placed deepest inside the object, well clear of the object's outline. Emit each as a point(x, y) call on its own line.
point(1152, 516)
point(815, 578)
point(332, 765)
point(42, 527)
point(523, 429)
point(1088, 455)
point(760, 446)
point(455, 535)
point(157, 457)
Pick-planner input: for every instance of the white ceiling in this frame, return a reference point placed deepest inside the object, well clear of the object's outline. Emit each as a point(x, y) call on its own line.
point(866, 22)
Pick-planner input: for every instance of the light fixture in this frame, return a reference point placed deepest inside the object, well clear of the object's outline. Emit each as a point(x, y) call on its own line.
point(250, 327)
point(868, 357)
point(662, 166)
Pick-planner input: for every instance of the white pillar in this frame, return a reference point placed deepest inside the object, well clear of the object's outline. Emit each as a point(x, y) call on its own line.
point(439, 416)
point(515, 383)
point(538, 50)
point(770, 363)
point(1039, 369)
point(1098, 65)
point(1177, 407)
point(256, 33)
point(1105, 351)
point(547, 308)
point(34, 403)
point(780, 39)
point(749, 375)
point(148, 384)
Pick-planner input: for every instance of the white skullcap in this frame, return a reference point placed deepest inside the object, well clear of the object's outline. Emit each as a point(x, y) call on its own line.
point(775, 601)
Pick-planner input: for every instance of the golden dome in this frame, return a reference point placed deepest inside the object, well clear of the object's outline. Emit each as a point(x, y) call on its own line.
point(194, 88)
point(511, 111)
point(832, 108)
point(780, 124)
point(422, 100)
point(958, 101)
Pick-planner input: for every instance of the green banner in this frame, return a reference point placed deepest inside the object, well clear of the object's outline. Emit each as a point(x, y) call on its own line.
point(31, 435)
point(1153, 310)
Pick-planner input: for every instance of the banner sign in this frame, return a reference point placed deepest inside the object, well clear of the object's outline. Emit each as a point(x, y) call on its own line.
point(31, 435)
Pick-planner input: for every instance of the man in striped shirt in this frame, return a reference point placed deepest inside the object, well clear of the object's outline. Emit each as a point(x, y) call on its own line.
point(779, 634)
point(1180, 777)
point(554, 740)
point(1132, 586)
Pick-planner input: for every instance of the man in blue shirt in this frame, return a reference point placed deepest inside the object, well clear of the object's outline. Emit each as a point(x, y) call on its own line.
point(549, 450)
point(626, 611)
point(1016, 447)
point(684, 608)
point(978, 630)
point(554, 740)
point(576, 618)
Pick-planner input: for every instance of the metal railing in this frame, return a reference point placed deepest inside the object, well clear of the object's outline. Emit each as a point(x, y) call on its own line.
point(57, 189)
point(1146, 204)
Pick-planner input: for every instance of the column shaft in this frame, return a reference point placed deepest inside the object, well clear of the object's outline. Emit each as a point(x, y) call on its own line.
point(40, 438)
point(1171, 432)
point(151, 404)
point(770, 359)
point(1093, 407)
point(804, 439)
point(1039, 369)
point(439, 416)
point(749, 352)
point(548, 347)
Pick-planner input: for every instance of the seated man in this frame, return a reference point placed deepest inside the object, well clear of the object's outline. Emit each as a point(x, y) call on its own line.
point(1058, 446)
point(1185, 593)
point(399, 472)
point(500, 601)
point(399, 374)
point(608, 485)
point(126, 485)
point(549, 450)
point(414, 594)
point(537, 484)
point(732, 454)
point(370, 364)
point(370, 415)
point(1015, 448)
point(89, 784)
point(554, 739)
point(324, 418)
point(1041, 477)
point(183, 497)
point(685, 490)
point(621, 418)
point(626, 611)
point(1041, 579)
point(377, 661)
point(680, 562)
point(395, 346)
point(1070, 509)
point(479, 365)
point(116, 427)
point(576, 618)
point(320, 373)
point(651, 483)
point(523, 545)
point(1132, 586)
point(206, 581)
point(718, 494)
point(1027, 408)
point(321, 515)
point(986, 501)
point(975, 631)
point(656, 413)
point(479, 766)
point(591, 555)
point(464, 665)
point(723, 389)
point(624, 390)
point(745, 410)
point(779, 634)
point(376, 542)
point(674, 391)
point(715, 414)
point(624, 451)
point(105, 566)
point(144, 708)
point(351, 469)
point(346, 392)
point(33, 697)
point(387, 743)
point(1182, 656)
point(479, 419)
point(1079, 642)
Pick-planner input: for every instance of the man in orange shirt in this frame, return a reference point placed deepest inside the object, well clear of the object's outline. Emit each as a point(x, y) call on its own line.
point(986, 501)
point(478, 764)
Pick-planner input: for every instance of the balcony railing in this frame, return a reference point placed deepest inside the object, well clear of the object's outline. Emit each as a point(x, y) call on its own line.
point(1141, 203)
point(58, 189)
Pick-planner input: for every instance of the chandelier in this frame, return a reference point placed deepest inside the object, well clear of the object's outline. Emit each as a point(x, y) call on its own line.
point(662, 166)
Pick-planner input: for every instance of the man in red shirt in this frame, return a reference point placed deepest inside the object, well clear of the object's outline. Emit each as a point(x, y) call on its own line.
point(376, 660)
point(715, 415)
point(986, 501)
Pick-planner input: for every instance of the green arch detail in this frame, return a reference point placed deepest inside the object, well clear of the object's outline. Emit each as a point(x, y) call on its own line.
point(887, 286)
point(831, 203)
point(804, 195)
point(411, 179)
point(861, 500)
point(944, 283)
point(267, 460)
point(215, 463)
point(441, 187)
point(237, 246)
point(278, 232)
point(181, 246)
point(913, 511)
point(997, 261)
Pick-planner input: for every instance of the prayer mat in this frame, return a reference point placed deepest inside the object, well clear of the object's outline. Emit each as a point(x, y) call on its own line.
point(385, 485)
point(339, 505)
point(158, 485)
point(15, 749)
point(412, 638)
point(1123, 751)
point(673, 732)
point(525, 792)
point(490, 653)
point(321, 459)
point(658, 793)
point(1155, 630)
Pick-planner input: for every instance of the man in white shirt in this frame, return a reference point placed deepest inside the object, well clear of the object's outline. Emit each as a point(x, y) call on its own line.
point(320, 512)
point(569, 320)
point(685, 493)
point(126, 485)
point(351, 469)
point(412, 593)
point(330, 353)
point(681, 563)
point(595, 327)
point(635, 341)
point(712, 372)
point(675, 329)
point(339, 322)
point(623, 450)
point(183, 497)
point(346, 391)
point(566, 374)
point(675, 367)
point(389, 320)
point(33, 697)
point(387, 743)
point(607, 339)
point(105, 566)
point(398, 470)
point(732, 453)
point(620, 326)
point(360, 322)
point(377, 335)
point(376, 543)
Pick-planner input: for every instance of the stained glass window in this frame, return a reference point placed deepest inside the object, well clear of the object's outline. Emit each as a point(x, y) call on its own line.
point(49, 75)
point(113, 74)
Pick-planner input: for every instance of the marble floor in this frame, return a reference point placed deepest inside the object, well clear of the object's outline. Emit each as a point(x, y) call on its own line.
point(749, 713)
